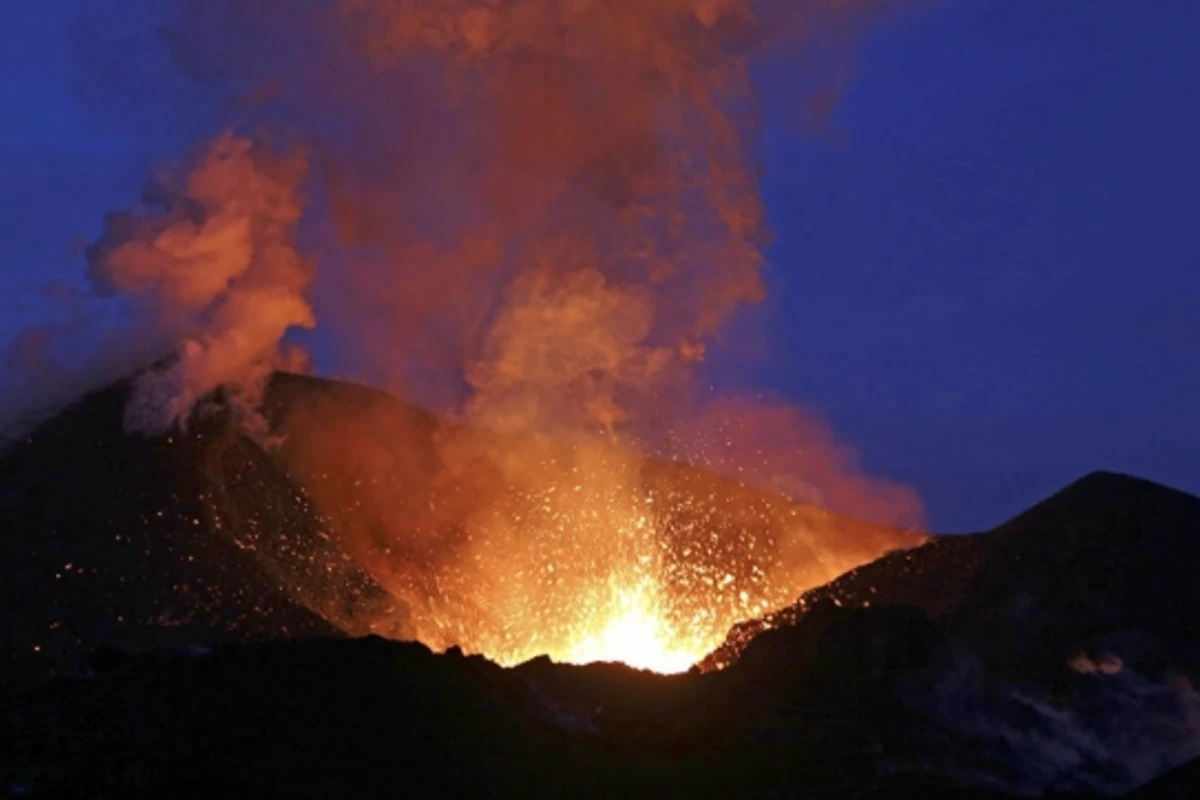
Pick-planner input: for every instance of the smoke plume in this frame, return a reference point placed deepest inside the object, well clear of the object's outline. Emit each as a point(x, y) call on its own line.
point(212, 257)
point(533, 217)
point(538, 208)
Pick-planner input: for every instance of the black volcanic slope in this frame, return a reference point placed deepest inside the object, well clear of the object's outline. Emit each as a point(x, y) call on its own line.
point(111, 538)
point(1107, 564)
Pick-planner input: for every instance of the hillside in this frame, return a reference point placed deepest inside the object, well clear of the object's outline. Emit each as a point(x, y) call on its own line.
point(1107, 565)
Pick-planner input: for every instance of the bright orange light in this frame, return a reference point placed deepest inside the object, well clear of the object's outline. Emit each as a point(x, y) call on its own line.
point(515, 548)
point(636, 632)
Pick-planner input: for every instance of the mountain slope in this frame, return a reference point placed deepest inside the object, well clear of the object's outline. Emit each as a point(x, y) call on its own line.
point(138, 542)
point(1107, 564)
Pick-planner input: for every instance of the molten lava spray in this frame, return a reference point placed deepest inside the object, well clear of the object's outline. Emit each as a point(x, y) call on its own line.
point(532, 216)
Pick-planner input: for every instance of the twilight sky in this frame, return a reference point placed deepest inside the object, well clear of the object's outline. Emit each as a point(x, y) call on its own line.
point(984, 266)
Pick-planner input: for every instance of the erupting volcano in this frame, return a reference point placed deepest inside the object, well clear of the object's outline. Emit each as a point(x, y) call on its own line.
point(414, 429)
point(533, 218)
point(364, 519)
point(518, 546)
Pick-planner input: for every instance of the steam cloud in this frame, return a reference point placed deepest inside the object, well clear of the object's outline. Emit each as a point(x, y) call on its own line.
point(212, 256)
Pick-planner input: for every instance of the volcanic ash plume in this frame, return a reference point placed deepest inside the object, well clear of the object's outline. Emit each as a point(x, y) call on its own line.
point(589, 164)
point(534, 217)
point(211, 254)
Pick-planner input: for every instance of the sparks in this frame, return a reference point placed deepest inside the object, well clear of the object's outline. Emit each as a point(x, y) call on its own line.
point(637, 633)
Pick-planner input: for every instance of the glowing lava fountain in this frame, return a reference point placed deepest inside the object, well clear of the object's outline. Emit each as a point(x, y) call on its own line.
point(518, 547)
point(637, 632)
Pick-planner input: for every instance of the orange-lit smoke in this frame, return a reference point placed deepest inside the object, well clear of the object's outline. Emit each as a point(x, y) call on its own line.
point(517, 545)
point(213, 257)
point(533, 216)
point(577, 165)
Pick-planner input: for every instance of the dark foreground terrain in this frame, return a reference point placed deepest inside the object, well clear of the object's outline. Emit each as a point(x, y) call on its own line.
point(373, 718)
point(147, 655)
point(848, 703)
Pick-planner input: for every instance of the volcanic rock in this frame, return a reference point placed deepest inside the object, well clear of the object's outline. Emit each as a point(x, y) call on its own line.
point(1107, 565)
point(847, 703)
point(1072, 632)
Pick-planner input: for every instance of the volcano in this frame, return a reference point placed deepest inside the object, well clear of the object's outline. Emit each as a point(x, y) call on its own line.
point(199, 615)
point(1106, 564)
point(910, 685)
point(351, 522)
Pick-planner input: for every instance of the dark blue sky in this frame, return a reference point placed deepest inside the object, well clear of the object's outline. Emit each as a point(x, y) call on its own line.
point(984, 268)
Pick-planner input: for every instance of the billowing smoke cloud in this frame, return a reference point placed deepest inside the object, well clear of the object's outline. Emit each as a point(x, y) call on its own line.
point(503, 176)
point(212, 256)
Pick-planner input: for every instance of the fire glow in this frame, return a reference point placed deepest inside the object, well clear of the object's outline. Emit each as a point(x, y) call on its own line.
point(633, 609)
point(533, 217)
point(635, 630)
point(622, 600)
point(592, 584)
point(517, 548)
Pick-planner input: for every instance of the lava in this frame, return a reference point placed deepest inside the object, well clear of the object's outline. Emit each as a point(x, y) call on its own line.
point(634, 629)
point(515, 547)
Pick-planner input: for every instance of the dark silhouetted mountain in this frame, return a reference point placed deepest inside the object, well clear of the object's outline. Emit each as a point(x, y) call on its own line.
point(121, 539)
point(1073, 633)
point(1105, 566)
